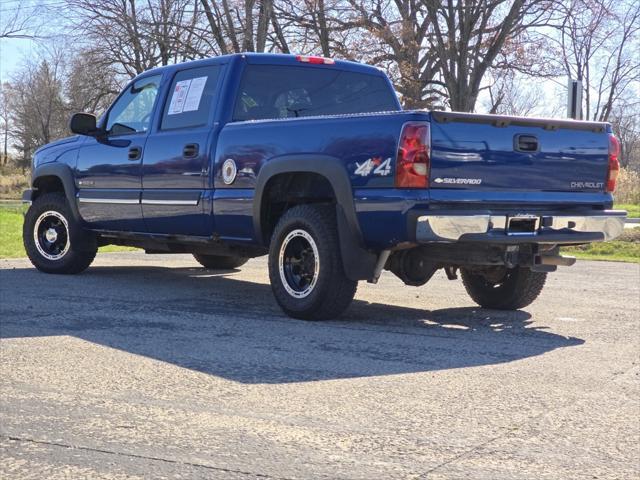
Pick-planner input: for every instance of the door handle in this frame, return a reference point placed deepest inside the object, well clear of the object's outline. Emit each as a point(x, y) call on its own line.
point(526, 143)
point(135, 153)
point(190, 150)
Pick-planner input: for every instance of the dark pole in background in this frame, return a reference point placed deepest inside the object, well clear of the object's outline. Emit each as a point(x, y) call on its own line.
point(574, 104)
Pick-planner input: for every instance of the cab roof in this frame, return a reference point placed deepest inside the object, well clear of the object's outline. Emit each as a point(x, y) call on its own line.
point(264, 59)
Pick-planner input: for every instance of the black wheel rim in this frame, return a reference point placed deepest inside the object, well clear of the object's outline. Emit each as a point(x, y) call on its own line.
point(299, 263)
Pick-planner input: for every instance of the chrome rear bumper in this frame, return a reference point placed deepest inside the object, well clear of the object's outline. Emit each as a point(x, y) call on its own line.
point(545, 228)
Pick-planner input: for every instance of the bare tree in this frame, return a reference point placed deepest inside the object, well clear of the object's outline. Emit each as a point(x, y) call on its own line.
point(398, 31)
point(437, 52)
point(4, 121)
point(17, 20)
point(468, 36)
point(136, 35)
point(243, 25)
point(625, 120)
point(38, 111)
point(84, 91)
point(440, 51)
point(598, 42)
point(311, 19)
point(319, 27)
point(509, 96)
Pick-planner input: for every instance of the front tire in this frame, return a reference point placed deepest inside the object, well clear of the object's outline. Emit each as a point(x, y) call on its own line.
point(305, 266)
point(219, 262)
point(53, 240)
point(502, 288)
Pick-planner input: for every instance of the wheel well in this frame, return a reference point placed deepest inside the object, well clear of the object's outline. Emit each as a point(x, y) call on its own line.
point(287, 190)
point(47, 184)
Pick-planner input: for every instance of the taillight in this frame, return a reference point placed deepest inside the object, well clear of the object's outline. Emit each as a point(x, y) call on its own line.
point(315, 60)
point(614, 163)
point(412, 162)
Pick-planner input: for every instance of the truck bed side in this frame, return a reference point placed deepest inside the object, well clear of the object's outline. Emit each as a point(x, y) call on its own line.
point(352, 140)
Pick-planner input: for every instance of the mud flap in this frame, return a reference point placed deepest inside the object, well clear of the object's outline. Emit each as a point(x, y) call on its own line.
point(358, 263)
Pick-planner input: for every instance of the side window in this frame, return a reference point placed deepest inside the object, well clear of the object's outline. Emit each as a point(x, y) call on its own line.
point(276, 91)
point(132, 112)
point(191, 98)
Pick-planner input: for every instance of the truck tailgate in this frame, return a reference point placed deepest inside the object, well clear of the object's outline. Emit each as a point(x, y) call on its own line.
point(499, 153)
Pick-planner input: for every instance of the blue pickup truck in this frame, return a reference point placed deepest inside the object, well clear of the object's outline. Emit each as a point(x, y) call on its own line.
point(313, 162)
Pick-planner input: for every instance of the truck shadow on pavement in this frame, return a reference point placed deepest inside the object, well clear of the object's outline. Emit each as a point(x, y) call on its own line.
point(218, 324)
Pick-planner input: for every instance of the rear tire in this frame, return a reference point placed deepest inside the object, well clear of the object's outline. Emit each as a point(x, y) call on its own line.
point(504, 289)
point(219, 262)
point(305, 266)
point(53, 240)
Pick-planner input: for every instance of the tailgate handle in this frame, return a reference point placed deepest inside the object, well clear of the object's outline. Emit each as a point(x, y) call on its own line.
point(526, 143)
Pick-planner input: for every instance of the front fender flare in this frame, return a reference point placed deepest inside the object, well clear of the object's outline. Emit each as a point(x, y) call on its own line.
point(64, 173)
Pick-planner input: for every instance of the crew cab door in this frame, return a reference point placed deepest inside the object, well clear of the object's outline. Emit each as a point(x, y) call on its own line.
point(176, 160)
point(109, 168)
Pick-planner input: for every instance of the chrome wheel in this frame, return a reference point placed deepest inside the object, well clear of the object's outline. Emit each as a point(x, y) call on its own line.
point(299, 263)
point(51, 235)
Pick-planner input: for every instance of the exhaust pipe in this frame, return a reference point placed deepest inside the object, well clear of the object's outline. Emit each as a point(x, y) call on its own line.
point(557, 260)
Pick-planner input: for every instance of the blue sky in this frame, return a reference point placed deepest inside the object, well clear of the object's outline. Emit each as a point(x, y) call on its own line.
point(41, 17)
point(12, 51)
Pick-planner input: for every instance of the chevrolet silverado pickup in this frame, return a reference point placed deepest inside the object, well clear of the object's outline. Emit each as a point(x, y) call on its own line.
point(313, 162)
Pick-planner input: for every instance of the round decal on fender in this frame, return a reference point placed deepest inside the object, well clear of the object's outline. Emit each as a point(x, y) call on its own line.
point(229, 171)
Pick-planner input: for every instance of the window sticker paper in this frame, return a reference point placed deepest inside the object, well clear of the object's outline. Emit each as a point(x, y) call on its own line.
point(178, 98)
point(192, 102)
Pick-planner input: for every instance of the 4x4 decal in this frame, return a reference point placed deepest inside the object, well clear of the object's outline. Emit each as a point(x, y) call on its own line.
point(374, 165)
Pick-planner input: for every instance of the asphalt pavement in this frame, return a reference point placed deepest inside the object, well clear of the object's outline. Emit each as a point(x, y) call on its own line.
point(147, 366)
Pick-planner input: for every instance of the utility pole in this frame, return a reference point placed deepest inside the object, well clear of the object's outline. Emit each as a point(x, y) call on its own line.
point(574, 102)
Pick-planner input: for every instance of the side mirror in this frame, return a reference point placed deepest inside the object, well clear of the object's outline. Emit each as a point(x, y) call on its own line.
point(83, 124)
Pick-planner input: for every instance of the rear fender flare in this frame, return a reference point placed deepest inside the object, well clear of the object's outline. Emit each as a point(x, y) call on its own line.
point(329, 167)
point(359, 264)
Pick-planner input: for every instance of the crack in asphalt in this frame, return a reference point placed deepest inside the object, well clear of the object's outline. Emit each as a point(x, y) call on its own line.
point(510, 432)
point(143, 457)
point(466, 453)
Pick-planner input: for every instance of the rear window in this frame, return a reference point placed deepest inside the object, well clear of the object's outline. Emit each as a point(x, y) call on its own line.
point(269, 91)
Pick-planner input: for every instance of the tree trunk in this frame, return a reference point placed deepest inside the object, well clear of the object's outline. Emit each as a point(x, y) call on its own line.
point(266, 8)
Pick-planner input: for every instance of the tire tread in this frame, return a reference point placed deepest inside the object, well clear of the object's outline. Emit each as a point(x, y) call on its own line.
point(340, 290)
point(83, 245)
point(525, 288)
point(220, 262)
